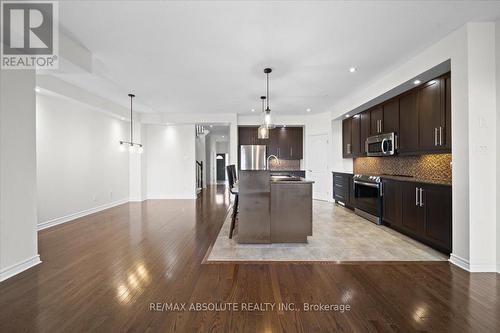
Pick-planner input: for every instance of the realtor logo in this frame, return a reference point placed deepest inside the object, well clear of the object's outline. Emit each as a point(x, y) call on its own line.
point(30, 35)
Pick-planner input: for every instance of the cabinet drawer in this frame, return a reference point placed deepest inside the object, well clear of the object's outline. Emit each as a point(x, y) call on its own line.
point(340, 180)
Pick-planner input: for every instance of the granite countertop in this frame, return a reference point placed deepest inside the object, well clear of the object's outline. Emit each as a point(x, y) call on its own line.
point(416, 180)
point(285, 181)
point(343, 172)
point(405, 179)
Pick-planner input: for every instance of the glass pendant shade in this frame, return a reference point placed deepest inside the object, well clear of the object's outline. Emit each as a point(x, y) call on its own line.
point(263, 132)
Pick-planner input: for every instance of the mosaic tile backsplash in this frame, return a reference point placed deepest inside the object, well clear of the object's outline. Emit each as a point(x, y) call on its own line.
point(284, 164)
point(435, 167)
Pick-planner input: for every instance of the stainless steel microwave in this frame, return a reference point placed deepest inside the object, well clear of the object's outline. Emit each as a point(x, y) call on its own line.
point(381, 145)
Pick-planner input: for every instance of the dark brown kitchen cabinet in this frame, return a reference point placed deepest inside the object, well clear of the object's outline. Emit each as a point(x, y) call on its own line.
point(392, 199)
point(412, 216)
point(408, 123)
point(274, 142)
point(377, 121)
point(347, 138)
point(287, 143)
point(297, 143)
point(355, 135)
point(343, 191)
point(420, 210)
point(390, 121)
point(247, 136)
point(421, 118)
point(438, 212)
point(284, 142)
point(364, 130)
point(431, 112)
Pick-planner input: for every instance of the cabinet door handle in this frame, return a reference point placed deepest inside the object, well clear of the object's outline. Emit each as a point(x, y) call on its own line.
point(416, 196)
point(435, 136)
point(440, 135)
point(278, 152)
point(291, 151)
point(421, 201)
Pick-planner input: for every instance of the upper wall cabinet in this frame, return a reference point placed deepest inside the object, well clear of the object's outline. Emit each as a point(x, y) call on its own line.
point(432, 115)
point(390, 121)
point(347, 138)
point(364, 129)
point(285, 142)
point(421, 118)
point(408, 123)
point(377, 119)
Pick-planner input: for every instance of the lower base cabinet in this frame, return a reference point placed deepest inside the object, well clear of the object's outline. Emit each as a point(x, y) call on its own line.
point(420, 210)
point(343, 191)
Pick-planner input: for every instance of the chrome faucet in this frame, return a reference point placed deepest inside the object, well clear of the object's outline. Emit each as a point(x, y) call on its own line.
point(267, 161)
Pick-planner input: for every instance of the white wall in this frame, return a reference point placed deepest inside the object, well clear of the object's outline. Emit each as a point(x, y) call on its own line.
point(482, 145)
point(222, 147)
point(80, 167)
point(170, 162)
point(497, 43)
point(18, 211)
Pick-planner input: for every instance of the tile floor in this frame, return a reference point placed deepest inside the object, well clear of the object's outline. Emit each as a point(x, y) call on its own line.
point(338, 235)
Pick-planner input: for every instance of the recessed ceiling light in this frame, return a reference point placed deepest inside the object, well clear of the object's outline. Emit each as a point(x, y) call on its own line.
point(253, 110)
point(211, 126)
point(308, 110)
point(347, 115)
point(352, 69)
point(223, 136)
point(37, 89)
point(416, 82)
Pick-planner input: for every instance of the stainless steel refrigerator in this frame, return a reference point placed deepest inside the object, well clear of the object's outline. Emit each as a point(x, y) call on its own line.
point(253, 157)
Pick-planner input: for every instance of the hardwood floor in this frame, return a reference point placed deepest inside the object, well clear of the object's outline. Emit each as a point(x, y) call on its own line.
point(102, 272)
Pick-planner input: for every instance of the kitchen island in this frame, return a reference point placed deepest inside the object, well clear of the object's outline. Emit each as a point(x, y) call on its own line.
point(274, 209)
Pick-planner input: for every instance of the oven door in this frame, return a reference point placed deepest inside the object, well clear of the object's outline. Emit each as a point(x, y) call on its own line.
point(367, 197)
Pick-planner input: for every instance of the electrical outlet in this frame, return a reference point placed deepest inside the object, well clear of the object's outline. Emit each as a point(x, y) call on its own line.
point(110, 194)
point(94, 198)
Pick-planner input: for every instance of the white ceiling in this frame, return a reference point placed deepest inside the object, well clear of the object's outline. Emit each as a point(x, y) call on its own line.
point(209, 56)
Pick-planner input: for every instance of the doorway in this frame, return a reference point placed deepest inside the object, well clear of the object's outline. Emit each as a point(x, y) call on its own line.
point(221, 167)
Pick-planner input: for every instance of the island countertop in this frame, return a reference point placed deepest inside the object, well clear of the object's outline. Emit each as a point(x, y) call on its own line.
point(273, 209)
point(291, 180)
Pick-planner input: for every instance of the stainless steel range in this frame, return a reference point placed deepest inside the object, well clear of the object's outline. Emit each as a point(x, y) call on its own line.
point(368, 197)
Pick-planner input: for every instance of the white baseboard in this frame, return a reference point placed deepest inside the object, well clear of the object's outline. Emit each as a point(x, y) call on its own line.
point(483, 268)
point(473, 268)
point(137, 199)
point(161, 197)
point(19, 267)
point(460, 262)
point(71, 217)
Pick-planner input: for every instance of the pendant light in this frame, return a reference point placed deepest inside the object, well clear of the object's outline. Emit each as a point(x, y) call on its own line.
point(132, 146)
point(263, 131)
point(267, 116)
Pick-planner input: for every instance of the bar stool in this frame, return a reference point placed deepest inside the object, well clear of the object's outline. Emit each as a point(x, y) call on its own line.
point(231, 175)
